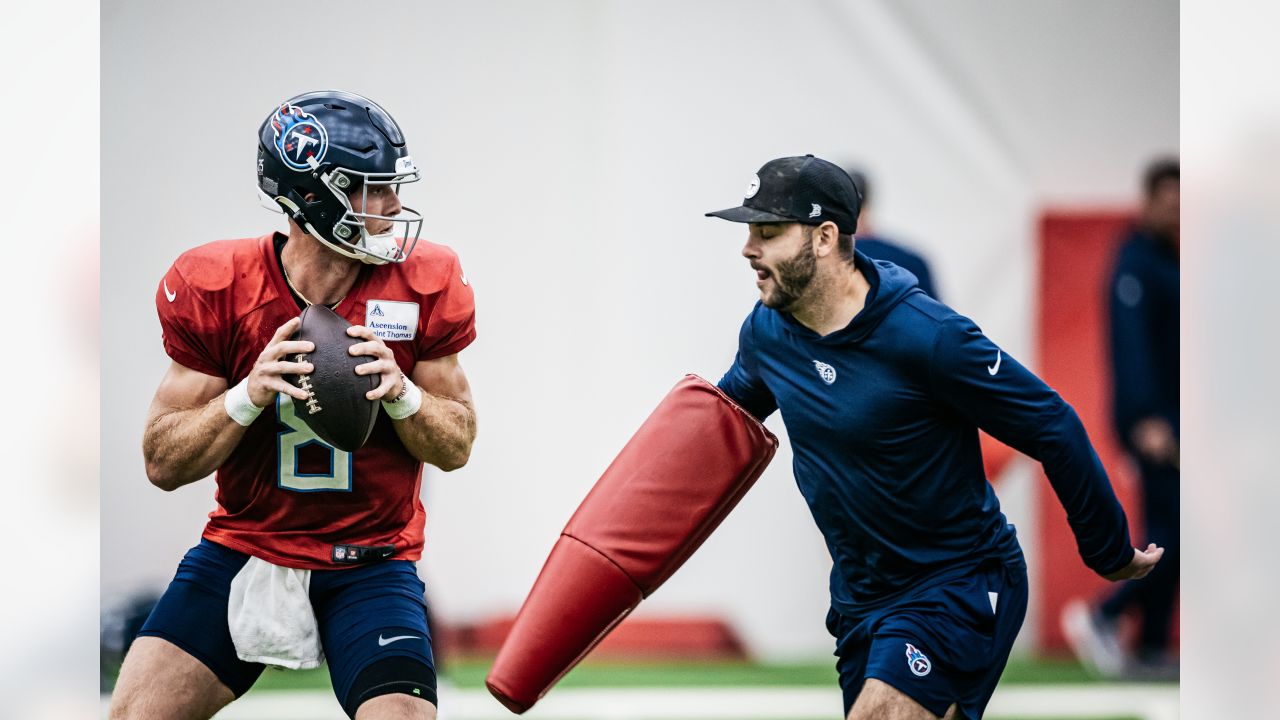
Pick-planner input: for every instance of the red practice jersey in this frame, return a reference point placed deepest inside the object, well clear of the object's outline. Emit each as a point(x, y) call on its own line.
point(284, 495)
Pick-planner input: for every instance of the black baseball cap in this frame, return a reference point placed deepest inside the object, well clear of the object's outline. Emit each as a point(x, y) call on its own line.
point(806, 190)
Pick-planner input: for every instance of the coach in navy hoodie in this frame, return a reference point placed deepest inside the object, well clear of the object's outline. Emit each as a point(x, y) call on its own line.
point(882, 390)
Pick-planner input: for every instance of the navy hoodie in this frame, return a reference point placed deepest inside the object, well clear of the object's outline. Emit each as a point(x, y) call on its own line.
point(1144, 334)
point(883, 417)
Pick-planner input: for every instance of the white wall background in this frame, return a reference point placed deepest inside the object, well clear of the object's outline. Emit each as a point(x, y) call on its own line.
point(570, 149)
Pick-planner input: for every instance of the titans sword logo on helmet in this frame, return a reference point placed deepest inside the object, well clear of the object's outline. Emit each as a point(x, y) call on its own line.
point(300, 138)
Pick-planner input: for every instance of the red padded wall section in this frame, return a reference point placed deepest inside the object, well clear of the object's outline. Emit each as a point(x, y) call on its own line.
point(1076, 254)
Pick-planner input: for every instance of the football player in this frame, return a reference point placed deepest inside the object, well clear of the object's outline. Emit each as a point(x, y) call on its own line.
point(349, 524)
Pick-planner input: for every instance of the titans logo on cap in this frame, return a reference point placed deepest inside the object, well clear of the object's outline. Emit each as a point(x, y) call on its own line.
point(300, 138)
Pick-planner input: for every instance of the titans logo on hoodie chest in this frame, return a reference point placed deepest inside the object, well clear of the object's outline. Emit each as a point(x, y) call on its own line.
point(844, 399)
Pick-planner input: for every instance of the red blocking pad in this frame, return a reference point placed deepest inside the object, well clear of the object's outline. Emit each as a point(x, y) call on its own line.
point(579, 596)
point(673, 483)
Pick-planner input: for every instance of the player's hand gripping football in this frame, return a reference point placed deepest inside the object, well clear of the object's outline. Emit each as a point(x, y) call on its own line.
point(1143, 562)
point(266, 378)
point(384, 362)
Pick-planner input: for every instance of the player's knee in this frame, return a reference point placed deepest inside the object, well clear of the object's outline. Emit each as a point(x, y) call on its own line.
point(398, 706)
point(395, 686)
point(159, 679)
point(133, 702)
point(879, 700)
point(121, 704)
point(126, 695)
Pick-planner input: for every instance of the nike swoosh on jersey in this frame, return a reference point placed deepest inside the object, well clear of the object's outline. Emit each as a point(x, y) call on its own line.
point(996, 368)
point(171, 295)
point(387, 641)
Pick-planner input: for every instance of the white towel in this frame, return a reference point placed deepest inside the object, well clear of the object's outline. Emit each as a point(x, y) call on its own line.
point(270, 616)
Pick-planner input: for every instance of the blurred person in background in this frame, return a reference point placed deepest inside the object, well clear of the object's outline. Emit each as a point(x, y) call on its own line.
point(883, 390)
point(310, 555)
point(1144, 302)
point(878, 247)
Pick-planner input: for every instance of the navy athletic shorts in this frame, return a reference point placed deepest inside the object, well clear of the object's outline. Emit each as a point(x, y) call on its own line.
point(942, 643)
point(373, 624)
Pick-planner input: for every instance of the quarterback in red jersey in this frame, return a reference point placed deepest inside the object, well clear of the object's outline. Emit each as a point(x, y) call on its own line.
point(301, 527)
point(228, 299)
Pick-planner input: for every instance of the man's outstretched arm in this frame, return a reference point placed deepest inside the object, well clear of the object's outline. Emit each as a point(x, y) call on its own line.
point(982, 384)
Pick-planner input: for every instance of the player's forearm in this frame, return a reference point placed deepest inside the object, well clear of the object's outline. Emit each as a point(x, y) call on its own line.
point(1079, 480)
point(182, 446)
point(440, 433)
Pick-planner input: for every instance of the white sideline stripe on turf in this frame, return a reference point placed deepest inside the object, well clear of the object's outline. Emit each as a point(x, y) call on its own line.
point(1151, 702)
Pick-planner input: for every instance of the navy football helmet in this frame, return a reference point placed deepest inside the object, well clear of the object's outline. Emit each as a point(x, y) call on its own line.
point(333, 146)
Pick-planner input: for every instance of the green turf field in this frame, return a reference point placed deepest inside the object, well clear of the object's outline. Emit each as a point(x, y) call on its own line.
point(467, 676)
point(470, 674)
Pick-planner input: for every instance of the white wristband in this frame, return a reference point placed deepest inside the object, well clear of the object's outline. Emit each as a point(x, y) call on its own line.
point(239, 406)
point(407, 404)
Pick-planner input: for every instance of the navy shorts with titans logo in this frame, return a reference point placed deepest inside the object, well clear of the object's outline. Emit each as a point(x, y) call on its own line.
point(946, 642)
point(373, 624)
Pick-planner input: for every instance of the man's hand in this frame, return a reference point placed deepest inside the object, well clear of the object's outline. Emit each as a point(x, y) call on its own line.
point(265, 379)
point(1143, 562)
point(384, 362)
point(1153, 439)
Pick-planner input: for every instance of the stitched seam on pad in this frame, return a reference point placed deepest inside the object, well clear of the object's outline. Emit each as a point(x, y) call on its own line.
point(611, 561)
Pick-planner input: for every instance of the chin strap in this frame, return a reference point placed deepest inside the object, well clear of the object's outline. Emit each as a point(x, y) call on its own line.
point(384, 244)
point(353, 254)
point(295, 213)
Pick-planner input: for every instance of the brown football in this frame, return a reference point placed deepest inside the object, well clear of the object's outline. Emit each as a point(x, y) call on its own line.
point(336, 409)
